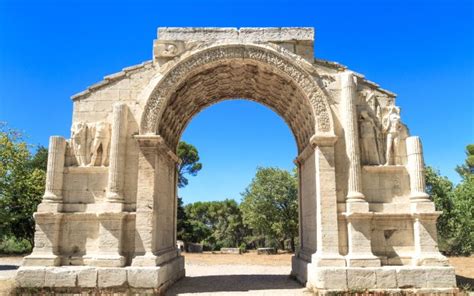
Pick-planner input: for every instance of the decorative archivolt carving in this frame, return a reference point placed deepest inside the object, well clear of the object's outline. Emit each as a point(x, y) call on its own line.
point(193, 63)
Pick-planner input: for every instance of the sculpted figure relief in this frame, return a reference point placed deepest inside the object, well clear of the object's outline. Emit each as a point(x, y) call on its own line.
point(392, 127)
point(100, 143)
point(90, 143)
point(79, 143)
point(369, 132)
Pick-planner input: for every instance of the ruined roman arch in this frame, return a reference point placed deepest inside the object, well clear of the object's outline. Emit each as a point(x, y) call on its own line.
point(108, 216)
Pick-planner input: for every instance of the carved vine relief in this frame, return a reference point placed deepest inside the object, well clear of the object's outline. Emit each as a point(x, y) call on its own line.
point(90, 143)
point(382, 134)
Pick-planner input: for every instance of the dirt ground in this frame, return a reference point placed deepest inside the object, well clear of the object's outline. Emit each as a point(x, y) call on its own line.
point(464, 265)
point(250, 258)
point(215, 273)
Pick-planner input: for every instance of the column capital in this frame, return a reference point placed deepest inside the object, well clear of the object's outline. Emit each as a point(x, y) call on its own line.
point(323, 140)
point(152, 142)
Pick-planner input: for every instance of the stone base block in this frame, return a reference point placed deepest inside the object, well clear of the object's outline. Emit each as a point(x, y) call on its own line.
point(299, 268)
point(108, 261)
point(78, 279)
point(412, 279)
point(41, 260)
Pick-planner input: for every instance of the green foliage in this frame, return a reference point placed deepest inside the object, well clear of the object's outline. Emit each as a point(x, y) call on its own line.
point(216, 224)
point(270, 207)
point(13, 245)
point(467, 168)
point(463, 217)
point(456, 223)
point(440, 190)
point(190, 164)
point(22, 177)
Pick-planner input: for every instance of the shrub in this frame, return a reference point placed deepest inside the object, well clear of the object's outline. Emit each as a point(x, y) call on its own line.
point(12, 245)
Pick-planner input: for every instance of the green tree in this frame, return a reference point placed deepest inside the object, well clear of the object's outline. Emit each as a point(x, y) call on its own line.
point(270, 206)
point(456, 223)
point(22, 178)
point(190, 164)
point(440, 190)
point(467, 168)
point(216, 224)
point(463, 223)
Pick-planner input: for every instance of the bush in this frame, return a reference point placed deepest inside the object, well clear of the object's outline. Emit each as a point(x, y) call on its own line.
point(243, 248)
point(12, 245)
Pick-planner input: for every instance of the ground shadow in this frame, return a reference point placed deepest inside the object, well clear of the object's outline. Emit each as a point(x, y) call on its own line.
point(233, 283)
point(464, 282)
point(8, 267)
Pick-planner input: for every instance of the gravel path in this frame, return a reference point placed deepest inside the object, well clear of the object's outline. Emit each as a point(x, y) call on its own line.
point(236, 280)
point(205, 279)
point(8, 267)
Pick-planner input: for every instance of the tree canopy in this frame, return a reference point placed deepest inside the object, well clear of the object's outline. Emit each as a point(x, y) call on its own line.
point(456, 223)
point(190, 164)
point(270, 207)
point(22, 178)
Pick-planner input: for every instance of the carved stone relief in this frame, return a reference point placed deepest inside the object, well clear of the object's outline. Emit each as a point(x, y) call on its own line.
point(79, 143)
point(198, 60)
point(369, 134)
point(371, 131)
point(90, 143)
point(392, 128)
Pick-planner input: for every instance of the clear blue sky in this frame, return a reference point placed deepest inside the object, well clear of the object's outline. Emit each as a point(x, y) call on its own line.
point(421, 50)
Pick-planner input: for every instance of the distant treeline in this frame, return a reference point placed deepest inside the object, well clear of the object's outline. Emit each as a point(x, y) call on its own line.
point(266, 217)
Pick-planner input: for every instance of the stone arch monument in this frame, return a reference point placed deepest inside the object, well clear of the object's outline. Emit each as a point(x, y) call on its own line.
point(108, 216)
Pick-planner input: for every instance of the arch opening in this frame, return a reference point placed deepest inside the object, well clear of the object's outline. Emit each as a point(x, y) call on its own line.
point(237, 71)
point(237, 80)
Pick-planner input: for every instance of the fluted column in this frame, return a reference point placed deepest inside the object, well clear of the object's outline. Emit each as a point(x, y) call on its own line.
point(117, 153)
point(55, 169)
point(351, 136)
point(358, 216)
point(415, 167)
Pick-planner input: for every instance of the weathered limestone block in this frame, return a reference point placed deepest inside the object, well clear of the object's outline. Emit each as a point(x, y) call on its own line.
point(359, 242)
point(46, 250)
point(144, 277)
point(441, 277)
point(409, 277)
point(108, 277)
point(60, 277)
point(426, 241)
point(361, 278)
point(110, 240)
point(87, 277)
point(31, 276)
point(327, 278)
point(386, 278)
